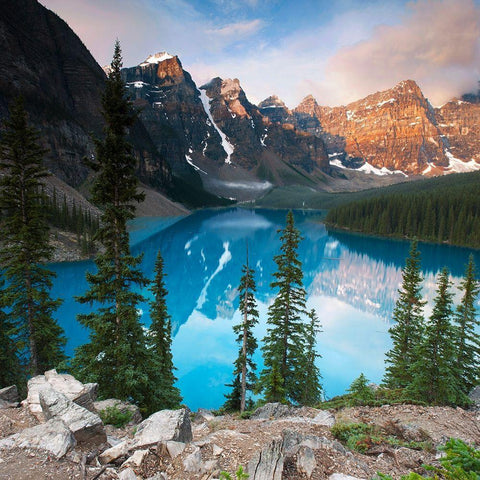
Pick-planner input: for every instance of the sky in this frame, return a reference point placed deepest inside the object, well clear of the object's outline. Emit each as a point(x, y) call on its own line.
point(337, 50)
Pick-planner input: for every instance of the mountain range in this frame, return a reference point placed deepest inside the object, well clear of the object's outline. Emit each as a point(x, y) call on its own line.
point(197, 143)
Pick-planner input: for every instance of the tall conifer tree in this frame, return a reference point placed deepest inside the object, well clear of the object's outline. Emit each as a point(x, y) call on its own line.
point(435, 373)
point(467, 341)
point(167, 395)
point(116, 356)
point(407, 331)
point(285, 343)
point(311, 387)
point(25, 247)
point(244, 372)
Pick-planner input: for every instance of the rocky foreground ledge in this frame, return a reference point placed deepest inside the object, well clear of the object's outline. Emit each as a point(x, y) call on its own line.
point(56, 433)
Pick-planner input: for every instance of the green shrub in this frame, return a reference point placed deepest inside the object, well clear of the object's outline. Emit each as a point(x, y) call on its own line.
point(343, 431)
point(114, 416)
point(239, 475)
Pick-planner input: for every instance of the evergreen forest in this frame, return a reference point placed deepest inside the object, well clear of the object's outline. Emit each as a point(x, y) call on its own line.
point(448, 212)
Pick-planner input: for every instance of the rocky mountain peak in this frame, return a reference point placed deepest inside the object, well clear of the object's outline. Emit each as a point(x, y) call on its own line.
point(230, 93)
point(156, 58)
point(272, 102)
point(307, 105)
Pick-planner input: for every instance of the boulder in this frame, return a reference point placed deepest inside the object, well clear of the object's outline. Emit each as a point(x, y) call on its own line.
point(9, 397)
point(306, 462)
point(342, 476)
point(111, 454)
point(267, 464)
point(127, 474)
point(272, 411)
point(74, 390)
point(122, 406)
point(174, 449)
point(53, 437)
point(474, 396)
point(136, 460)
point(163, 426)
point(203, 415)
point(9, 394)
point(85, 425)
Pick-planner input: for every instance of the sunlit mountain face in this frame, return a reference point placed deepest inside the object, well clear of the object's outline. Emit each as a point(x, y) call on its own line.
point(351, 281)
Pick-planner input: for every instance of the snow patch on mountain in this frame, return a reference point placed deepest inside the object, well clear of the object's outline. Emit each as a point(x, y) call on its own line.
point(156, 58)
point(227, 146)
point(459, 166)
point(190, 162)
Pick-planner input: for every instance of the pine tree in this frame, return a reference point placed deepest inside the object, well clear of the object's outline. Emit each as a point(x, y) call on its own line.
point(25, 247)
point(160, 341)
point(435, 376)
point(406, 334)
point(467, 341)
point(9, 363)
point(117, 356)
point(244, 372)
point(285, 343)
point(311, 388)
point(360, 391)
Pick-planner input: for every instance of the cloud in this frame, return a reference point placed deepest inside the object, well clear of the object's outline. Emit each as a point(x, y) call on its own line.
point(437, 44)
point(239, 29)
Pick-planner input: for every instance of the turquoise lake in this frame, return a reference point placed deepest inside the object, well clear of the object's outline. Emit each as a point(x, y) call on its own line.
point(351, 281)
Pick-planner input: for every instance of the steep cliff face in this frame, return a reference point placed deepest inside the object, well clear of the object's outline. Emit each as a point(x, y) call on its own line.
point(172, 112)
point(459, 122)
point(42, 59)
point(395, 130)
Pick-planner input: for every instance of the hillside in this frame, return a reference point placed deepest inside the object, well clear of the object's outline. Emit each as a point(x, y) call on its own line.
point(444, 210)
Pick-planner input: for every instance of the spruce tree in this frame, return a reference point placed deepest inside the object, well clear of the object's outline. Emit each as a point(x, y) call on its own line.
point(435, 373)
point(25, 248)
point(9, 362)
point(244, 372)
point(467, 341)
point(117, 356)
point(311, 388)
point(407, 331)
point(285, 342)
point(166, 395)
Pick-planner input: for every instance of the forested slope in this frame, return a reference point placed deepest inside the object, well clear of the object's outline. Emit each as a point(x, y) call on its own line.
point(445, 209)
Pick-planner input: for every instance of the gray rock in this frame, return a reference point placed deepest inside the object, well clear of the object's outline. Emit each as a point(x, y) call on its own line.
point(267, 464)
point(174, 449)
point(474, 396)
point(342, 476)
point(111, 454)
point(194, 463)
point(324, 417)
point(306, 462)
point(53, 437)
point(136, 460)
point(122, 407)
point(203, 415)
point(74, 390)
point(272, 411)
point(158, 476)
point(163, 426)
point(85, 425)
point(127, 474)
point(9, 395)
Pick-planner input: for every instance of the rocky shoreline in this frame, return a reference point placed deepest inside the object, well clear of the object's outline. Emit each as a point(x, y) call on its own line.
point(57, 433)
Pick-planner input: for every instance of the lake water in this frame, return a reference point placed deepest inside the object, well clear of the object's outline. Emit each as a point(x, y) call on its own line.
point(351, 281)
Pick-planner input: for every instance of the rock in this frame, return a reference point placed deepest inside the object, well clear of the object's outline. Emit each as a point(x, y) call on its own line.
point(474, 396)
point(203, 415)
point(272, 411)
point(216, 450)
point(127, 474)
point(342, 476)
point(53, 437)
point(194, 463)
point(85, 425)
point(325, 418)
point(163, 426)
point(174, 449)
point(267, 464)
point(158, 476)
point(74, 390)
point(136, 460)
point(9, 395)
point(122, 407)
point(111, 454)
point(306, 462)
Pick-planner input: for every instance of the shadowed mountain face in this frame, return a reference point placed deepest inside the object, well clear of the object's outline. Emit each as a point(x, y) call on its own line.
point(42, 59)
point(216, 134)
